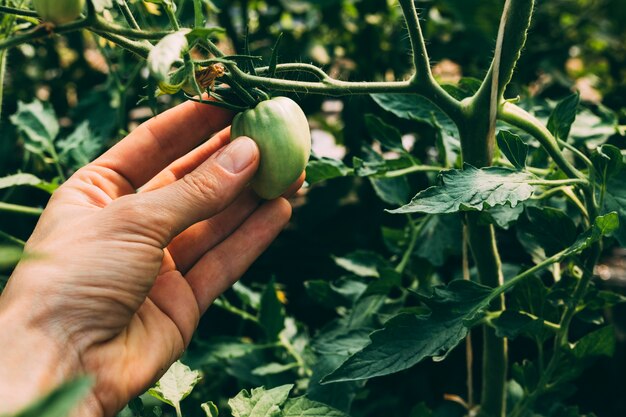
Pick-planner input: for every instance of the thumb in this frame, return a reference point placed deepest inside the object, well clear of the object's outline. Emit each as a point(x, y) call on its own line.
point(202, 193)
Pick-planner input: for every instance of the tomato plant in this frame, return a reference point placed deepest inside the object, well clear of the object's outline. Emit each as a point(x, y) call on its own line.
point(465, 210)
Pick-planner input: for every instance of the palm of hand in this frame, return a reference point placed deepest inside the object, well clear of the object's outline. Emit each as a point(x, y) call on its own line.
point(123, 277)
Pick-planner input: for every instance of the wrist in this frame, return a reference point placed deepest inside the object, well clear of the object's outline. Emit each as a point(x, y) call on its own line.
point(32, 362)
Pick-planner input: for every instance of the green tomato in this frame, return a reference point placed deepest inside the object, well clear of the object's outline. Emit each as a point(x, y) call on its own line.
point(281, 131)
point(59, 11)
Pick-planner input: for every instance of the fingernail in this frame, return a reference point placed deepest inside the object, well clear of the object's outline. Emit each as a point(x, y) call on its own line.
point(237, 155)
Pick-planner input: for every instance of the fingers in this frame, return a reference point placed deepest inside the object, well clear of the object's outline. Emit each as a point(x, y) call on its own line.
point(219, 268)
point(194, 242)
point(187, 163)
point(201, 194)
point(163, 139)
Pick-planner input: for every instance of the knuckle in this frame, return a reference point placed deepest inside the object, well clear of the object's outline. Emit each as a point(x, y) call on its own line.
point(201, 184)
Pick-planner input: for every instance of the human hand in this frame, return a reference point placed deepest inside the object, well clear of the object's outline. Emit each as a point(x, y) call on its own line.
point(115, 280)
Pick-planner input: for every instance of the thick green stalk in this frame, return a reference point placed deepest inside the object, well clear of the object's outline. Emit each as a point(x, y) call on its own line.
point(3, 67)
point(478, 144)
point(482, 242)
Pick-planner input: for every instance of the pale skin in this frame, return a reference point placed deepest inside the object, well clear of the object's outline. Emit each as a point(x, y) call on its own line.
point(128, 255)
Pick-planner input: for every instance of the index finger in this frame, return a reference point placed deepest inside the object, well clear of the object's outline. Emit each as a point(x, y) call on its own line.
point(163, 139)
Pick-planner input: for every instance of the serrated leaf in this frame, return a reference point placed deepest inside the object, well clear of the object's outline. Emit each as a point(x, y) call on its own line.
point(176, 384)
point(407, 339)
point(471, 189)
point(259, 402)
point(513, 147)
point(79, 148)
point(38, 122)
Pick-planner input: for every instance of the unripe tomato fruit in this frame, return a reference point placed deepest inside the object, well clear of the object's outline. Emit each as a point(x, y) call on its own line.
point(281, 131)
point(59, 11)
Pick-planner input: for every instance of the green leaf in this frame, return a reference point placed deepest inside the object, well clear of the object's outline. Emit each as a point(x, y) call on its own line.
point(563, 116)
point(553, 229)
point(407, 339)
point(376, 165)
point(602, 226)
point(393, 191)
point(217, 350)
point(513, 147)
point(388, 136)
point(23, 178)
point(271, 312)
point(60, 402)
point(38, 123)
point(362, 263)
point(615, 201)
point(471, 189)
point(176, 384)
point(591, 128)
point(247, 296)
point(608, 161)
point(166, 53)
point(439, 238)
point(260, 402)
point(274, 368)
point(342, 292)
point(210, 409)
point(79, 148)
point(323, 169)
point(304, 407)
point(414, 107)
point(600, 342)
point(511, 324)
point(203, 33)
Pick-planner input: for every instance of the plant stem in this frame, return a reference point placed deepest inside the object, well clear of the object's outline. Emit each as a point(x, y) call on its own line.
point(520, 118)
point(3, 68)
point(12, 239)
point(412, 169)
point(421, 62)
point(495, 356)
point(469, 350)
point(16, 208)
point(128, 14)
point(18, 11)
point(415, 232)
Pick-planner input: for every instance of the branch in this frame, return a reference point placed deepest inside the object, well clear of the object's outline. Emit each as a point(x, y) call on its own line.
point(514, 29)
point(40, 32)
point(421, 62)
point(18, 12)
point(521, 119)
